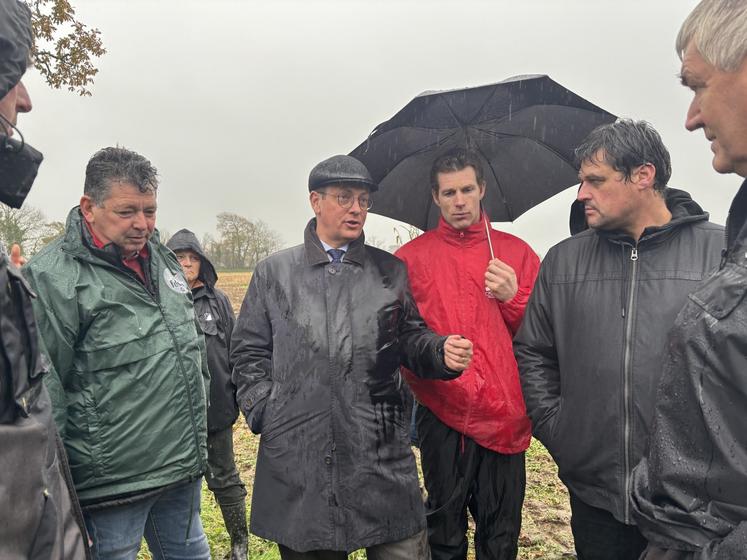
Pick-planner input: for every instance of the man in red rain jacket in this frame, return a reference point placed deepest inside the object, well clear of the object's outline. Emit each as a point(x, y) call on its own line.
point(474, 430)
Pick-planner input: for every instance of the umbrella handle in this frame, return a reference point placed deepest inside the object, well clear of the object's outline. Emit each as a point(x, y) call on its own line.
point(487, 232)
point(488, 293)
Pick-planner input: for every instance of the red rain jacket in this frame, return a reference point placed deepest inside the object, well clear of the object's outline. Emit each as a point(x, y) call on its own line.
point(447, 275)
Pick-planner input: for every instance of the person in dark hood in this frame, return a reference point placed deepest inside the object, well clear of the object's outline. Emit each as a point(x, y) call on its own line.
point(40, 518)
point(589, 349)
point(215, 316)
point(317, 350)
point(690, 490)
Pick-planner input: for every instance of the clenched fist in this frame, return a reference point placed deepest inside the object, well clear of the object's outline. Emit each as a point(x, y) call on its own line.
point(500, 279)
point(457, 352)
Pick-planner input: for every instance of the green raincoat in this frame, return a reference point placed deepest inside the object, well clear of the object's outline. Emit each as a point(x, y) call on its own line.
point(128, 373)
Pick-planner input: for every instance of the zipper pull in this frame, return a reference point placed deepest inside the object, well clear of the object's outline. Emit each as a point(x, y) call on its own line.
point(634, 254)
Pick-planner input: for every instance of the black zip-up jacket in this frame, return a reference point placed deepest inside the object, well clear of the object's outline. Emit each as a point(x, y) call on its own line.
point(40, 518)
point(590, 346)
point(690, 491)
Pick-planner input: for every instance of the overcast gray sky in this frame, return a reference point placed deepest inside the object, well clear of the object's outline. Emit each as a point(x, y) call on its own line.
point(235, 101)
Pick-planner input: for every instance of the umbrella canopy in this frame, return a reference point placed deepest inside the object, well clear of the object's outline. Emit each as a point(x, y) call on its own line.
point(525, 129)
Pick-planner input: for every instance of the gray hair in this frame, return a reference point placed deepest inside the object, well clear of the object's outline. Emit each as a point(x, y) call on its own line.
point(718, 29)
point(117, 164)
point(628, 144)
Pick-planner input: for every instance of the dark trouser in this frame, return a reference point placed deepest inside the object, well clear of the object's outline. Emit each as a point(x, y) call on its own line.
point(599, 536)
point(655, 553)
point(460, 474)
point(222, 475)
point(411, 548)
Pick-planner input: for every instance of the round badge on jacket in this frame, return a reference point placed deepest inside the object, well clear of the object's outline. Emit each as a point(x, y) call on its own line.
point(177, 282)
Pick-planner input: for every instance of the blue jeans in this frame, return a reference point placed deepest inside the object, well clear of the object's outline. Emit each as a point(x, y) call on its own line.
point(169, 521)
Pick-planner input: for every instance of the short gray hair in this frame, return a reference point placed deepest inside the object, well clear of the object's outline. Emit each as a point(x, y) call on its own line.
point(718, 29)
point(117, 164)
point(628, 144)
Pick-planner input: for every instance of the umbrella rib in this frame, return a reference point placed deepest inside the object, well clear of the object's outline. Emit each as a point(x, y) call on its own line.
point(514, 114)
point(535, 140)
point(419, 151)
point(451, 111)
point(500, 188)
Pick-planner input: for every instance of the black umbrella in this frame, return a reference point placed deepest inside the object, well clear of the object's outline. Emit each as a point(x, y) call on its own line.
point(525, 128)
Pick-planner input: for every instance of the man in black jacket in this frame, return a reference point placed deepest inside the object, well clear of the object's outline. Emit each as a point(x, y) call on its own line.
point(690, 491)
point(40, 518)
point(317, 350)
point(215, 316)
point(589, 348)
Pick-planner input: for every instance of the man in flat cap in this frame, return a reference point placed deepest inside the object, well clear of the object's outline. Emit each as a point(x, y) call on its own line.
point(317, 350)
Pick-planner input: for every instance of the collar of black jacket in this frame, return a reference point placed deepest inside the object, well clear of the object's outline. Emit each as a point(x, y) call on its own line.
point(736, 223)
point(684, 210)
point(315, 253)
point(203, 291)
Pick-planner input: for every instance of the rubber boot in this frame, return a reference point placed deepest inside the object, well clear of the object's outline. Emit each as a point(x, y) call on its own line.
point(234, 517)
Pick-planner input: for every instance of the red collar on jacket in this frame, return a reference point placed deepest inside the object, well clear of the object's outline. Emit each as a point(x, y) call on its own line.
point(130, 262)
point(467, 237)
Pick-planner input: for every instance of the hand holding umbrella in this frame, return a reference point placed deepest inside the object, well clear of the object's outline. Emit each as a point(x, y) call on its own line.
point(457, 352)
point(500, 280)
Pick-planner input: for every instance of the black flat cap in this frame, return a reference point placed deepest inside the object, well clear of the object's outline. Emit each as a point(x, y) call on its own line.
point(341, 170)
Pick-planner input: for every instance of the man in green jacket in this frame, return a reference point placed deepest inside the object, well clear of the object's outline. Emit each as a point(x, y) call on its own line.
point(128, 373)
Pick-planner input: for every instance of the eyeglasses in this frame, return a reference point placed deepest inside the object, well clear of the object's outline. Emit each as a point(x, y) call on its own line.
point(345, 199)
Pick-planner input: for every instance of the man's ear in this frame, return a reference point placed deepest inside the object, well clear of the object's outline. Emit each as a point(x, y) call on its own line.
point(645, 175)
point(315, 200)
point(86, 207)
point(434, 194)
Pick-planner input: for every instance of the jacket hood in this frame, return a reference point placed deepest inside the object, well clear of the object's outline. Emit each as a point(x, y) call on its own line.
point(185, 240)
point(15, 43)
point(679, 203)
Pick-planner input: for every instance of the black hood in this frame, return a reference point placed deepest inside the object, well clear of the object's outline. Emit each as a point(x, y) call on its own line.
point(15, 43)
point(185, 240)
point(679, 203)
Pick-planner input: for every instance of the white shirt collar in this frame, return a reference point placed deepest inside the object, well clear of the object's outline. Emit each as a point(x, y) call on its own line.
point(328, 247)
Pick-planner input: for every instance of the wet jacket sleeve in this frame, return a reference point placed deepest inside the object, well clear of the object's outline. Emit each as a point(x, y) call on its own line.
point(537, 358)
point(251, 354)
point(422, 349)
point(513, 309)
point(58, 322)
point(229, 320)
point(730, 547)
point(203, 361)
